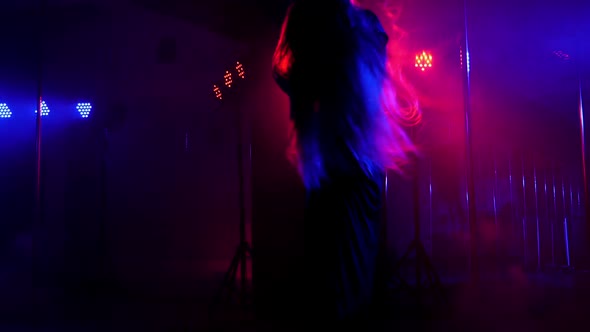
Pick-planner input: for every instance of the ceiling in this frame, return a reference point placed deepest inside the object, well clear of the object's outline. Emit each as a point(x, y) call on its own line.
point(241, 19)
point(238, 19)
point(523, 26)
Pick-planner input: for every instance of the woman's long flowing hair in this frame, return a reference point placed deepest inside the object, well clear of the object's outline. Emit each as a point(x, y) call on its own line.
point(346, 87)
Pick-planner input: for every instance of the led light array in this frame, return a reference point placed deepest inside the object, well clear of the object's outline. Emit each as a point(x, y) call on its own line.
point(228, 79)
point(5, 112)
point(84, 109)
point(424, 61)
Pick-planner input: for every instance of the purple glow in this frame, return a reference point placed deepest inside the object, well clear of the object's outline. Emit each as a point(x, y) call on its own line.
point(562, 55)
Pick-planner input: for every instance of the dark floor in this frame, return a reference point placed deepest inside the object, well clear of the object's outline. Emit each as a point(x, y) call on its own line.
point(515, 301)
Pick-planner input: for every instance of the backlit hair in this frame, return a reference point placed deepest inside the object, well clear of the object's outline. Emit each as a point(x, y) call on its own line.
point(346, 88)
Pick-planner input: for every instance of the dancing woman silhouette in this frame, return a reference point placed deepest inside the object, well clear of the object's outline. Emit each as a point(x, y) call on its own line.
point(348, 110)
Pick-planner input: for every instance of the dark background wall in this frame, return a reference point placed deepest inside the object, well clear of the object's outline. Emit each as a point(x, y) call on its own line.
point(162, 216)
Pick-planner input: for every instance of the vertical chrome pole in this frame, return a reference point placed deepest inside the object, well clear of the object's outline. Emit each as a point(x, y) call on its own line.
point(567, 242)
point(584, 156)
point(495, 192)
point(565, 233)
point(513, 214)
point(38, 215)
point(496, 225)
point(547, 202)
point(571, 196)
point(471, 206)
point(555, 218)
point(38, 117)
point(430, 203)
point(579, 201)
point(524, 215)
point(537, 218)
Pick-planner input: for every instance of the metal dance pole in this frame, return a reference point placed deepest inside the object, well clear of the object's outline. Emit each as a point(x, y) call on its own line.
point(537, 219)
point(497, 252)
point(584, 156)
point(471, 206)
point(524, 216)
point(38, 216)
point(547, 203)
point(38, 153)
point(554, 220)
point(38, 122)
point(510, 183)
point(572, 206)
point(513, 213)
point(579, 202)
point(430, 203)
point(565, 222)
point(495, 192)
point(38, 140)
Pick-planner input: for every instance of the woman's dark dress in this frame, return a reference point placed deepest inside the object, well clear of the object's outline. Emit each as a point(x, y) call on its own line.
point(342, 214)
point(341, 245)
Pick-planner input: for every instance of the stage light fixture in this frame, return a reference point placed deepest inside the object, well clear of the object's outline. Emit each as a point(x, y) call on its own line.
point(44, 109)
point(217, 91)
point(240, 70)
point(423, 61)
point(5, 112)
point(228, 79)
point(84, 109)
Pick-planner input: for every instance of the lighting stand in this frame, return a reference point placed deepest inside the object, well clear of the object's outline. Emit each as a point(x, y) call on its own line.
point(584, 151)
point(471, 206)
point(38, 218)
point(423, 263)
point(238, 266)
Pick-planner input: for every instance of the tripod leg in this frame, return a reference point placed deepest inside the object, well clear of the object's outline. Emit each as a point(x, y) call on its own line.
point(405, 256)
point(396, 270)
point(229, 280)
point(231, 285)
point(431, 272)
point(229, 277)
point(244, 252)
point(242, 266)
point(248, 249)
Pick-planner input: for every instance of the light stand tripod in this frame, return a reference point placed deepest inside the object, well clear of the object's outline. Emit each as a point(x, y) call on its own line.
point(423, 262)
point(38, 217)
point(238, 266)
point(422, 259)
